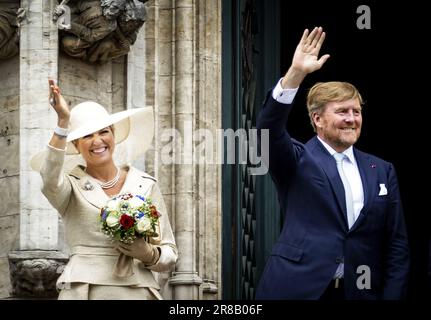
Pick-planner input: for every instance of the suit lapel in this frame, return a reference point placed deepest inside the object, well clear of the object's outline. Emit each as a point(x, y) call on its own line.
point(368, 172)
point(135, 183)
point(329, 166)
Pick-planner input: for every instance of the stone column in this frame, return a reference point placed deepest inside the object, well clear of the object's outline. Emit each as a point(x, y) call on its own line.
point(9, 165)
point(185, 280)
point(158, 80)
point(136, 83)
point(208, 116)
point(182, 80)
point(38, 236)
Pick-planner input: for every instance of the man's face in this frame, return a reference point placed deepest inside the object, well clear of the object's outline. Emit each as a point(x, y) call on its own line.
point(340, 124)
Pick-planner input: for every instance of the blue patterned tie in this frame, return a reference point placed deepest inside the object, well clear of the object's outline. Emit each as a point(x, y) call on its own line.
point(339, 157)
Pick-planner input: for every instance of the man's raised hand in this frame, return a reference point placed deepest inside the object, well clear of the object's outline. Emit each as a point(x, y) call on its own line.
point(305, 59)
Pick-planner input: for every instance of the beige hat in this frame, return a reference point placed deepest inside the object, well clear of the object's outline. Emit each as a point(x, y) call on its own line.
point(134, 125)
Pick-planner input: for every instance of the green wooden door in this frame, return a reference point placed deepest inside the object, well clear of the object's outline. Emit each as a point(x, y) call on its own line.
point(251, 220)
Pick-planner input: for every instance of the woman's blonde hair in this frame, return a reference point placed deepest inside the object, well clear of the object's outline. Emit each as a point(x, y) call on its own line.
point(324, 92)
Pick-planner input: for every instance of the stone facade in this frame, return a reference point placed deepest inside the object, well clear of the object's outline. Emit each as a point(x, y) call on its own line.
point(174, 67)
point(9, 164)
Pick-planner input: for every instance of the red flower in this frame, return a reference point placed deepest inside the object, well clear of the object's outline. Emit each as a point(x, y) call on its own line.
point(154, 211)
point(126, 221)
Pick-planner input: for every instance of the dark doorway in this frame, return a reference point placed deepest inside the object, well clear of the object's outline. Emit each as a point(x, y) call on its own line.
point(380, 62)
point(251, 223)
point(383, 62)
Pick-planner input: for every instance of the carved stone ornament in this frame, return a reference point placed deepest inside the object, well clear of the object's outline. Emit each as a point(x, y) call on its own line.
point(98, 31)
point(10, 20)
point(33, 277)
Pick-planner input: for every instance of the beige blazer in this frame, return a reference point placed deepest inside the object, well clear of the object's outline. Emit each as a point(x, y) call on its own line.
point(79, 199)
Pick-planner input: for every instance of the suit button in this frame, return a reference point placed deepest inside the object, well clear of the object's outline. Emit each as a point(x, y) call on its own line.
point(339, 260)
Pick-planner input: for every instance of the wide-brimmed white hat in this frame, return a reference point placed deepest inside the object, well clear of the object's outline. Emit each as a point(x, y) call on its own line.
point(134, 125)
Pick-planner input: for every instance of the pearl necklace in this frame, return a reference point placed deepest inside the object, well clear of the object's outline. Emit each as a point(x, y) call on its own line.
point(110, 183)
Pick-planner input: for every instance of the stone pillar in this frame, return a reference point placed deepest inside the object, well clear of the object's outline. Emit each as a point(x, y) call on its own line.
point(158, 80)
point(38, 62)
point(208, 116)
point(182, 81)
point(39, 224)
point(186, 279)
point(136, 83)
point(9, 165)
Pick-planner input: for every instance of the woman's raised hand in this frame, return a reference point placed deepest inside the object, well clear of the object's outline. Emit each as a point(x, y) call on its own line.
point(59, 104)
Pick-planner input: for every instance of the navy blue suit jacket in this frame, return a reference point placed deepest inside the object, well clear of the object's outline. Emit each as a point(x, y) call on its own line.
point(315, 237)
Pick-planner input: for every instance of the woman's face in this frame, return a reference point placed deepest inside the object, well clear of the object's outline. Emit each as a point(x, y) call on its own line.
point(97, 148)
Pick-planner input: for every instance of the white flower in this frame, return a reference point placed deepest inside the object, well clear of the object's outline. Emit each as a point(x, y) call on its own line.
point(135, 202)
point(112, 220)
point(144, 224)
point(113, 205)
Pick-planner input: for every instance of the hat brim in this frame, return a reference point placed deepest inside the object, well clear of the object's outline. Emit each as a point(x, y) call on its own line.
point(134, 125)
point(122, 122)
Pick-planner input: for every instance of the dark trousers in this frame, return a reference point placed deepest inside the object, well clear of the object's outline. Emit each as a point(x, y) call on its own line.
point(334, 291)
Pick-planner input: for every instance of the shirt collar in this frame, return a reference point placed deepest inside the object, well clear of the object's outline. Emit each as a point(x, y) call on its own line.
point(348, 152)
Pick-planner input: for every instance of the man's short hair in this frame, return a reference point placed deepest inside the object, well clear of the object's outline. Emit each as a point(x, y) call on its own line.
point(333, 91)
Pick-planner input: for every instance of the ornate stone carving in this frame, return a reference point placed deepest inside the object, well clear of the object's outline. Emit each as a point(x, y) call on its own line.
point(33, 277)
point(99, 30)
point(10, 19)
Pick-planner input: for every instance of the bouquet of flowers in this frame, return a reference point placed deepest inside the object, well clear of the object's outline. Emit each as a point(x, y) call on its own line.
point(128, 216)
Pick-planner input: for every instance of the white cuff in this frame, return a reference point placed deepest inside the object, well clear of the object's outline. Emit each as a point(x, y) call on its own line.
point(284, 96)
point(62, 132)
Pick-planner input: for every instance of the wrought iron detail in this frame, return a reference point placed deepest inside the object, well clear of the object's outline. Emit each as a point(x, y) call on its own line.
point(247, 183)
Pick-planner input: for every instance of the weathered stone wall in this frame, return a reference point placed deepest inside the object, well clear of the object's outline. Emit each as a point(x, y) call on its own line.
point(81, 81)
point(183, 82)
point(28, 224)
point(174, 67)
point(9, 166)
